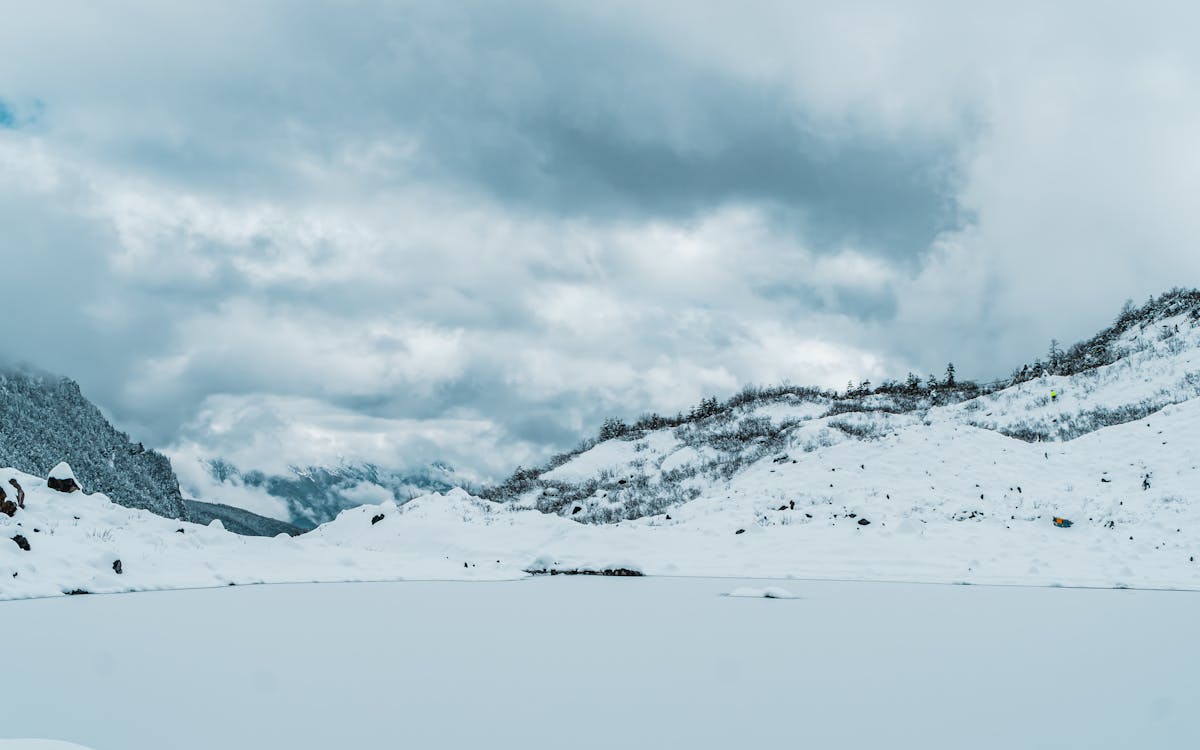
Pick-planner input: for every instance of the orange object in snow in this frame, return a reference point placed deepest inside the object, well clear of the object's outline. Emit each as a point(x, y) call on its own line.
point(1062, 523)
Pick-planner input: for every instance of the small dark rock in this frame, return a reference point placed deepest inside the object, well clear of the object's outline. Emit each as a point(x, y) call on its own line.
point(178, 531)
point(20, 492)
point(77, 592)
point(863, 522)
point(851, 515)
point(808, 515)
point(376, 519)
point(8, 507)
point(623, 481)
point(791, 505)
point(740, 531)
point(782, 507)
point(21, 541)
point(576, 509)
point(668, 517)
point(117, 567)
point(67, 485)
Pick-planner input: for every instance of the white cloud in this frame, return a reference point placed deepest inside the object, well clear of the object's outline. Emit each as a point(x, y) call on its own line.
point(408, 214)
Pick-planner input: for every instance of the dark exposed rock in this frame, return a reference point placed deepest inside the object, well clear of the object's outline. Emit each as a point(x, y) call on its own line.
point(575, 510)
point(67, 485)
point(863, 522)
point(77, 592)
point(376, 519)
point(20, 492)
point(8, 507)
point(117, 567)
point(21, 541)
point(740, 531)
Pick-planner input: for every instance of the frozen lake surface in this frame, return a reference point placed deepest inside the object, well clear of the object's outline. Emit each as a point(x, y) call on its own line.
point(604, 663)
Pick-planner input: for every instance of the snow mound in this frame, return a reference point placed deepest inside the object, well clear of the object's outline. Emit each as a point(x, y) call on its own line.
point(62, 471)
point(770, 592)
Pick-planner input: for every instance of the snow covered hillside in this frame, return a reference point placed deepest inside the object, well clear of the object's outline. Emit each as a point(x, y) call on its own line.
point(941, 503)
point(950, 483)
point(45, 419)
point(950, 446)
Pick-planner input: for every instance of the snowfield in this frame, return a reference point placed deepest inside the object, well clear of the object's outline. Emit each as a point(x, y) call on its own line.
point(605, 663)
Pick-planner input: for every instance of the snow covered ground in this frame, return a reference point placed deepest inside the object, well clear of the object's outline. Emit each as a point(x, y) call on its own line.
point(603, 663)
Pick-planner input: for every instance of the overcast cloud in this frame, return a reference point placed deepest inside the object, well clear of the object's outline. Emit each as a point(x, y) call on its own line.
point(293, 232)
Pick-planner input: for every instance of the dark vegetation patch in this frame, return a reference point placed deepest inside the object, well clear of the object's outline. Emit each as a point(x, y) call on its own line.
point(617, 572)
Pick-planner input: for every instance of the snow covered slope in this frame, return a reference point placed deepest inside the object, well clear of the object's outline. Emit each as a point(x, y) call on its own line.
point(46, 419)
point(950, 484)
point(775, 443)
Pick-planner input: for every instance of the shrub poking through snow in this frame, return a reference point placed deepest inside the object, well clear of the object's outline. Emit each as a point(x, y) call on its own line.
point(617, 572)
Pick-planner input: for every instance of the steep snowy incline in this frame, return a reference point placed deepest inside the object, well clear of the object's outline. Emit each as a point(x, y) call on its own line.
point(46, 419)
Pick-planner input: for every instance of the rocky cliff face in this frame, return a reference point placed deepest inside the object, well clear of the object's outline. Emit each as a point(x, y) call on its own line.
point(46, 419)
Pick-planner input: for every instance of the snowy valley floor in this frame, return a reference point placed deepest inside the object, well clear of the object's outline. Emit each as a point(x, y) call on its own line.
point(604, 663)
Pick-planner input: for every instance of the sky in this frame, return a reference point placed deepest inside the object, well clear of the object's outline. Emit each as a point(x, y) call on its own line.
point(293, 233)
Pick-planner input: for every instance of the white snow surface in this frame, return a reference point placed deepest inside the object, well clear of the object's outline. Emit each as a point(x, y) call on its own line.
point(30, 744)
point(605, 663)
point(770, 592)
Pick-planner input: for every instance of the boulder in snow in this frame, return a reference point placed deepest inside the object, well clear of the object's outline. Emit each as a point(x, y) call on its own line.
point(63, 479)
point(20, 493)
point(21, 541)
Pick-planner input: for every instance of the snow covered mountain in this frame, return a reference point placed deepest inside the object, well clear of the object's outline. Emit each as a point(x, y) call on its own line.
point(943, 482)
point(46, 419)
point(314, 495)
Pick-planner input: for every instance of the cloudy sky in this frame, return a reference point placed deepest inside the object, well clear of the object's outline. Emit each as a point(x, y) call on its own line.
point(286, 232)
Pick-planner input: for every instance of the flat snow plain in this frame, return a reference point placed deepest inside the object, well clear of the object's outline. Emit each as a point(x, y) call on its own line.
point(604, 663)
